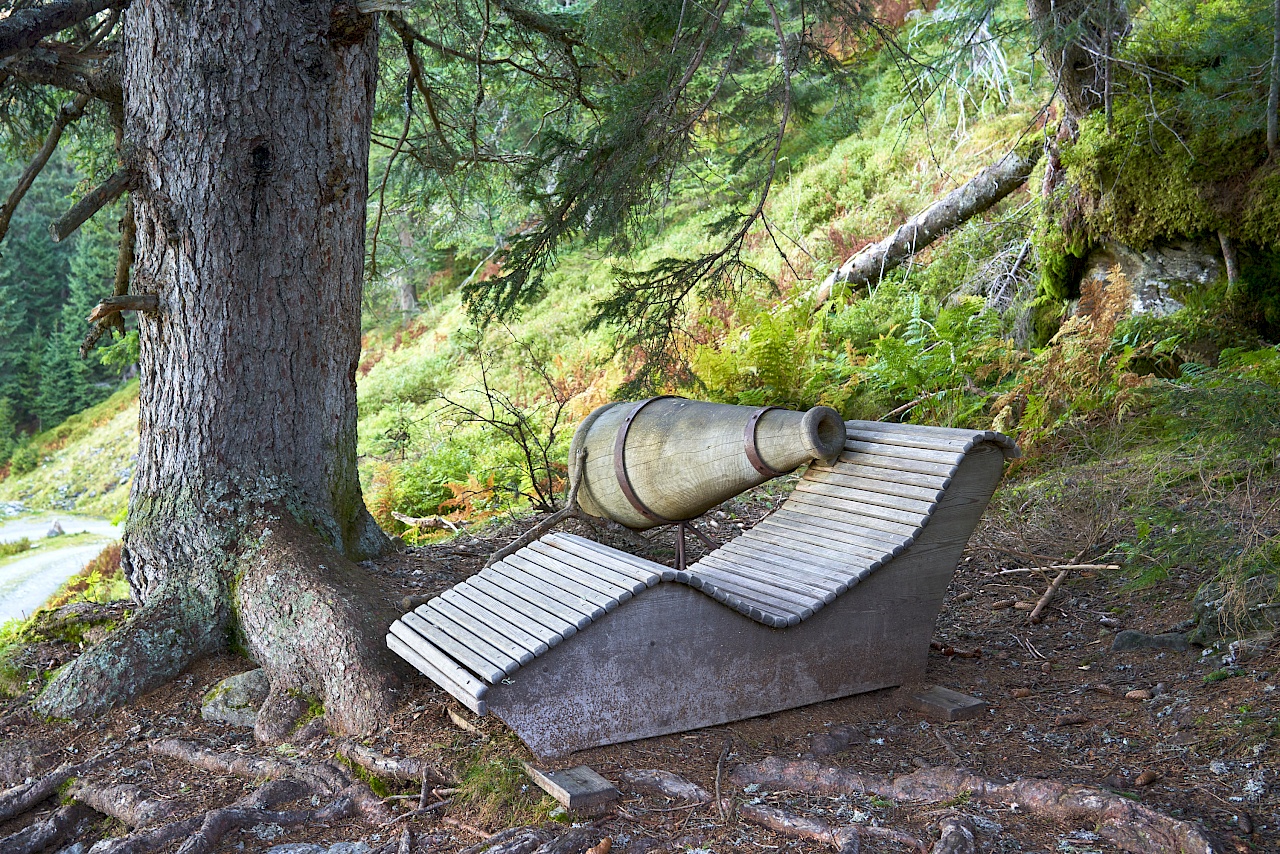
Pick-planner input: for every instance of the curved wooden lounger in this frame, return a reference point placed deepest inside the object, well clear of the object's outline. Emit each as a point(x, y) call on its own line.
point(574, 644)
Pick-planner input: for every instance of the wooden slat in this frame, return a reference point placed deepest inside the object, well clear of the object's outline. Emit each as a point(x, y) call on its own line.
point(877, 518)
point(761, 612)
point(598, 565)
point(881, 474)
point(951, 458)
point(783, 530)
point(460, 684)
point(568, 587)
point(489, 671)
point(998, 439)
point(905, 510)
point(821, 560)
point(784, 526)
point(929, 495)
point(548, 592)
point(590, 578)
point(783, 573)
point(477, 602)
point(610, 559)
point(947, 444)
point(896, 462)
point(503, 634)
point(769, 598)
point(560, 538)
point(535, 598)
point(825, 573)
point(824, 518)
point(845, 566)
point(462, 635)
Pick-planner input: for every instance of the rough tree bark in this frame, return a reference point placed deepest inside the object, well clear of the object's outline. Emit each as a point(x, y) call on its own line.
point(973, 197)
point(247, 126)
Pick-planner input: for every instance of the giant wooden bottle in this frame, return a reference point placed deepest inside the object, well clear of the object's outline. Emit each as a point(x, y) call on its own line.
point(668, 459)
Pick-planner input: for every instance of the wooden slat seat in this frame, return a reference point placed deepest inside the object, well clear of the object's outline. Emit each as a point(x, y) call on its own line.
point(891, 515)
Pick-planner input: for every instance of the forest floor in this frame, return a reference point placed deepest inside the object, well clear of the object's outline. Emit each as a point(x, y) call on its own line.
point(1197, 743)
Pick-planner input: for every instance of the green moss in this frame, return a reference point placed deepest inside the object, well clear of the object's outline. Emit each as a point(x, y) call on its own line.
point(378, 785)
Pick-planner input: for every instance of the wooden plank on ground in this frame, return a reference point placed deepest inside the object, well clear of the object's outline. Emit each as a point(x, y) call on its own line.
point(945, 704)
point(579, 790)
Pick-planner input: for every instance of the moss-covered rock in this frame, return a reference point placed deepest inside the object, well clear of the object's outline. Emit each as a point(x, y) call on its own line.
point(236, 699)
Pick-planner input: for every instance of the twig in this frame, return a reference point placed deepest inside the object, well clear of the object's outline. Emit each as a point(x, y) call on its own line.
point(429, 522)
point(463, 723)
point(475, 831)
point(569, 510)
point(719, 774)
point(421, 811)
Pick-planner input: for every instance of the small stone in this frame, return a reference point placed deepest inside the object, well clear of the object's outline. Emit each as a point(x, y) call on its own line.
point(1022, 693)
point(55, 530)
point(1138, 695)
point(236, 699)
point(1146, 778)
point(1130, 640)
point(297, 848)
point(1109, 622)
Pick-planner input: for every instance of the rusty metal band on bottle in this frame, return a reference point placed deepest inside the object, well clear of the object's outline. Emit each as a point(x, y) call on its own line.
point(620, 463)
point(749, 441)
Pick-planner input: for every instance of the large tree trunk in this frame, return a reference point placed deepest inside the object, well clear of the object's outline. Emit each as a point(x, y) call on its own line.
point(248, 127)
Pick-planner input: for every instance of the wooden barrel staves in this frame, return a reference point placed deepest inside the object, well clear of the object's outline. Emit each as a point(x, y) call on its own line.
point(667, 459)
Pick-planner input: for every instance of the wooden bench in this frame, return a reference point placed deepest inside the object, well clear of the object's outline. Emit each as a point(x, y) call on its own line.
point(574, 644)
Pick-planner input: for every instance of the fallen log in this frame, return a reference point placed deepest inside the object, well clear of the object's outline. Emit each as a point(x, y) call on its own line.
point(1129, 825)
point(973, 197)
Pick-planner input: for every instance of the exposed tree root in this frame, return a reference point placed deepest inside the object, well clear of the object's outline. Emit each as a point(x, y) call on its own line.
point(324, 639)
point(654, 781)
point(125, 803)
point(395, 767)
point(1126, 824)
point(65, 824)
point(957, 836)
point(177, 625)
point(22, 798)
point(323, 777)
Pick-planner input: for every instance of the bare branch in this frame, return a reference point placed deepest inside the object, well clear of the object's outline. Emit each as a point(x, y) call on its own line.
point(96, 200)
point(127, 302)
point(68, 114)
point(26, 27)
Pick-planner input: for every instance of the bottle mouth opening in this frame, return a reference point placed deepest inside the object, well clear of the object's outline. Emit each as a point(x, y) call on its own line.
point(824, 433)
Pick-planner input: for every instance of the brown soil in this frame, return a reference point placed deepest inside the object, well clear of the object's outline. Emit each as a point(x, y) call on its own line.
point(1057, 709)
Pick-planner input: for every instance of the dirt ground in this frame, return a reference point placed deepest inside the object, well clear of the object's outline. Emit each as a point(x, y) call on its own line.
point(1201, 747)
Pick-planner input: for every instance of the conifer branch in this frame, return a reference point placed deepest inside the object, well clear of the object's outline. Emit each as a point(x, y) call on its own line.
point(96, 200)
point(24, 28)
point(68, 114)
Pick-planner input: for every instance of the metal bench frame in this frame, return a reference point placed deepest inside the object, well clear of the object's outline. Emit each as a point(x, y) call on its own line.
point(575, 645)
